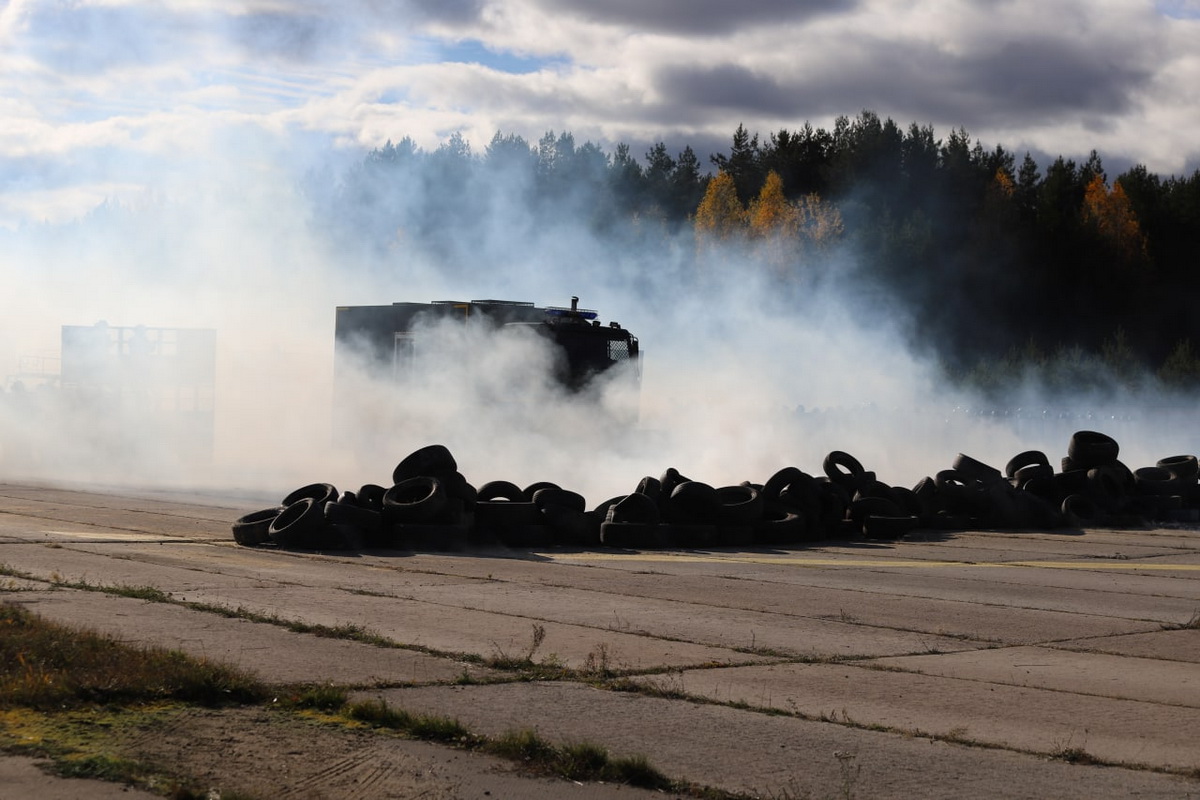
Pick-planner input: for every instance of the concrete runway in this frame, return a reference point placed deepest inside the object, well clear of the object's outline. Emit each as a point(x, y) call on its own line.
point(1038, 664)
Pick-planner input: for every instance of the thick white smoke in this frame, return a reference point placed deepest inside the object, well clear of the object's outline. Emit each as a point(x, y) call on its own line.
point(742, 375)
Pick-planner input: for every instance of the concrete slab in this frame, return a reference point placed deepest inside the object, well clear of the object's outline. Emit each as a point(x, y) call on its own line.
point(840, 569)
point(944, 603)
point(710, 621)
point(1035, 720)
point(179, 566)
point(23, 778)
point(486, 634)
point(1168, 645)
point(1033, 585)
point(1167, 682)
point(775, 755)
point(273, 653)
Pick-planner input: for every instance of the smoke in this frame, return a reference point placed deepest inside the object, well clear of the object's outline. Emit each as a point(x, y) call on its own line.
point(743, 373)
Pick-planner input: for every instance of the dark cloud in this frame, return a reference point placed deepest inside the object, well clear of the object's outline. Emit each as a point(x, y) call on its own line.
point(696, 16)
point(724, 86)
point(1024, 82)
point(449, 12)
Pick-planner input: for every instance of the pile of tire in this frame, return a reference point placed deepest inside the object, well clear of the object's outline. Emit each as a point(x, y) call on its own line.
point(431, 506)
point(1092, 488)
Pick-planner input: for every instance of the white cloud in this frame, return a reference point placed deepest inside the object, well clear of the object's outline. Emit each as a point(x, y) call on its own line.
point(127, 79)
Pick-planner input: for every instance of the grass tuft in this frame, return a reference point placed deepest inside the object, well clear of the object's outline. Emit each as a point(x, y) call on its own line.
point(320, 698)
point(582, 761)
point(44, 665)
point(419, 726)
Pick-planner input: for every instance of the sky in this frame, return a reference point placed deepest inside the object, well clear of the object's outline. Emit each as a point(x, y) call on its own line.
point(104, 99)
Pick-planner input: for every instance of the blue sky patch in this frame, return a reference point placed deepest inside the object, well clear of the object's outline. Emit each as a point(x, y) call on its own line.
point(473, 51)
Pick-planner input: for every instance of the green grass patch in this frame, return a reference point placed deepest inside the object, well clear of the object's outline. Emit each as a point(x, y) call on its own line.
point(320, 698)
point(581, 761)
point(427, 727)
point(44, 665)
point(149, 593)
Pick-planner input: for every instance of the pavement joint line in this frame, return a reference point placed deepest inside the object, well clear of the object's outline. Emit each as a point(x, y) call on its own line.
point(1100, 564)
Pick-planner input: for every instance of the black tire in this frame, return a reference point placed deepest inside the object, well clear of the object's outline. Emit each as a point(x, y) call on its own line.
point(601, 510)
point(688, 535)
point(1107, 487)
point(559, 498)
point(424, 462)
point(572, 528)
point(1031, 472)
point(499, 515)
point(780, 526)
point(926, 493)
point(975, 469)
point(1092, 449)
point(693, 502)
point(802, 493)
point(1184, 468)
point(414, 500)
point(1073, 481)
point(670, 478)
point(958, 494)
point(370, 495)
point(781, 480)
point(908, 501)
point(1028, 458)
point(529, 491)
point(300, 525)
point(320, 492)
point(1080, 511)
point(735, 535)
point(500, 490)
point(427, 537)
point(254, 529)
point(634, 508)
point(528, 535)
point(865, 507)
point(843, 468)
point(888, 528)
point(365, 519)
point(740, 505)
point(1156, 481)
point(632, 535)
point(651, 487)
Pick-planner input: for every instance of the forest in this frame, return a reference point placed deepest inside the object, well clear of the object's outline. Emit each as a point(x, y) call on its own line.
point(1005, 268)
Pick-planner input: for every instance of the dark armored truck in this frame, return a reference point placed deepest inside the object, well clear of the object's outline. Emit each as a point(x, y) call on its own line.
point(387, 339)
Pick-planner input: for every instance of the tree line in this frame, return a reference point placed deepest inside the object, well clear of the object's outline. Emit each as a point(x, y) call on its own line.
point(998, 264)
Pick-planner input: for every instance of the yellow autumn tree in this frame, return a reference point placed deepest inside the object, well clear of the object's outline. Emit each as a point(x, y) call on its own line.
point(1112, 216)
point(818, 222)
point(773, 223)
point(720, 215)
point(770, 213)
